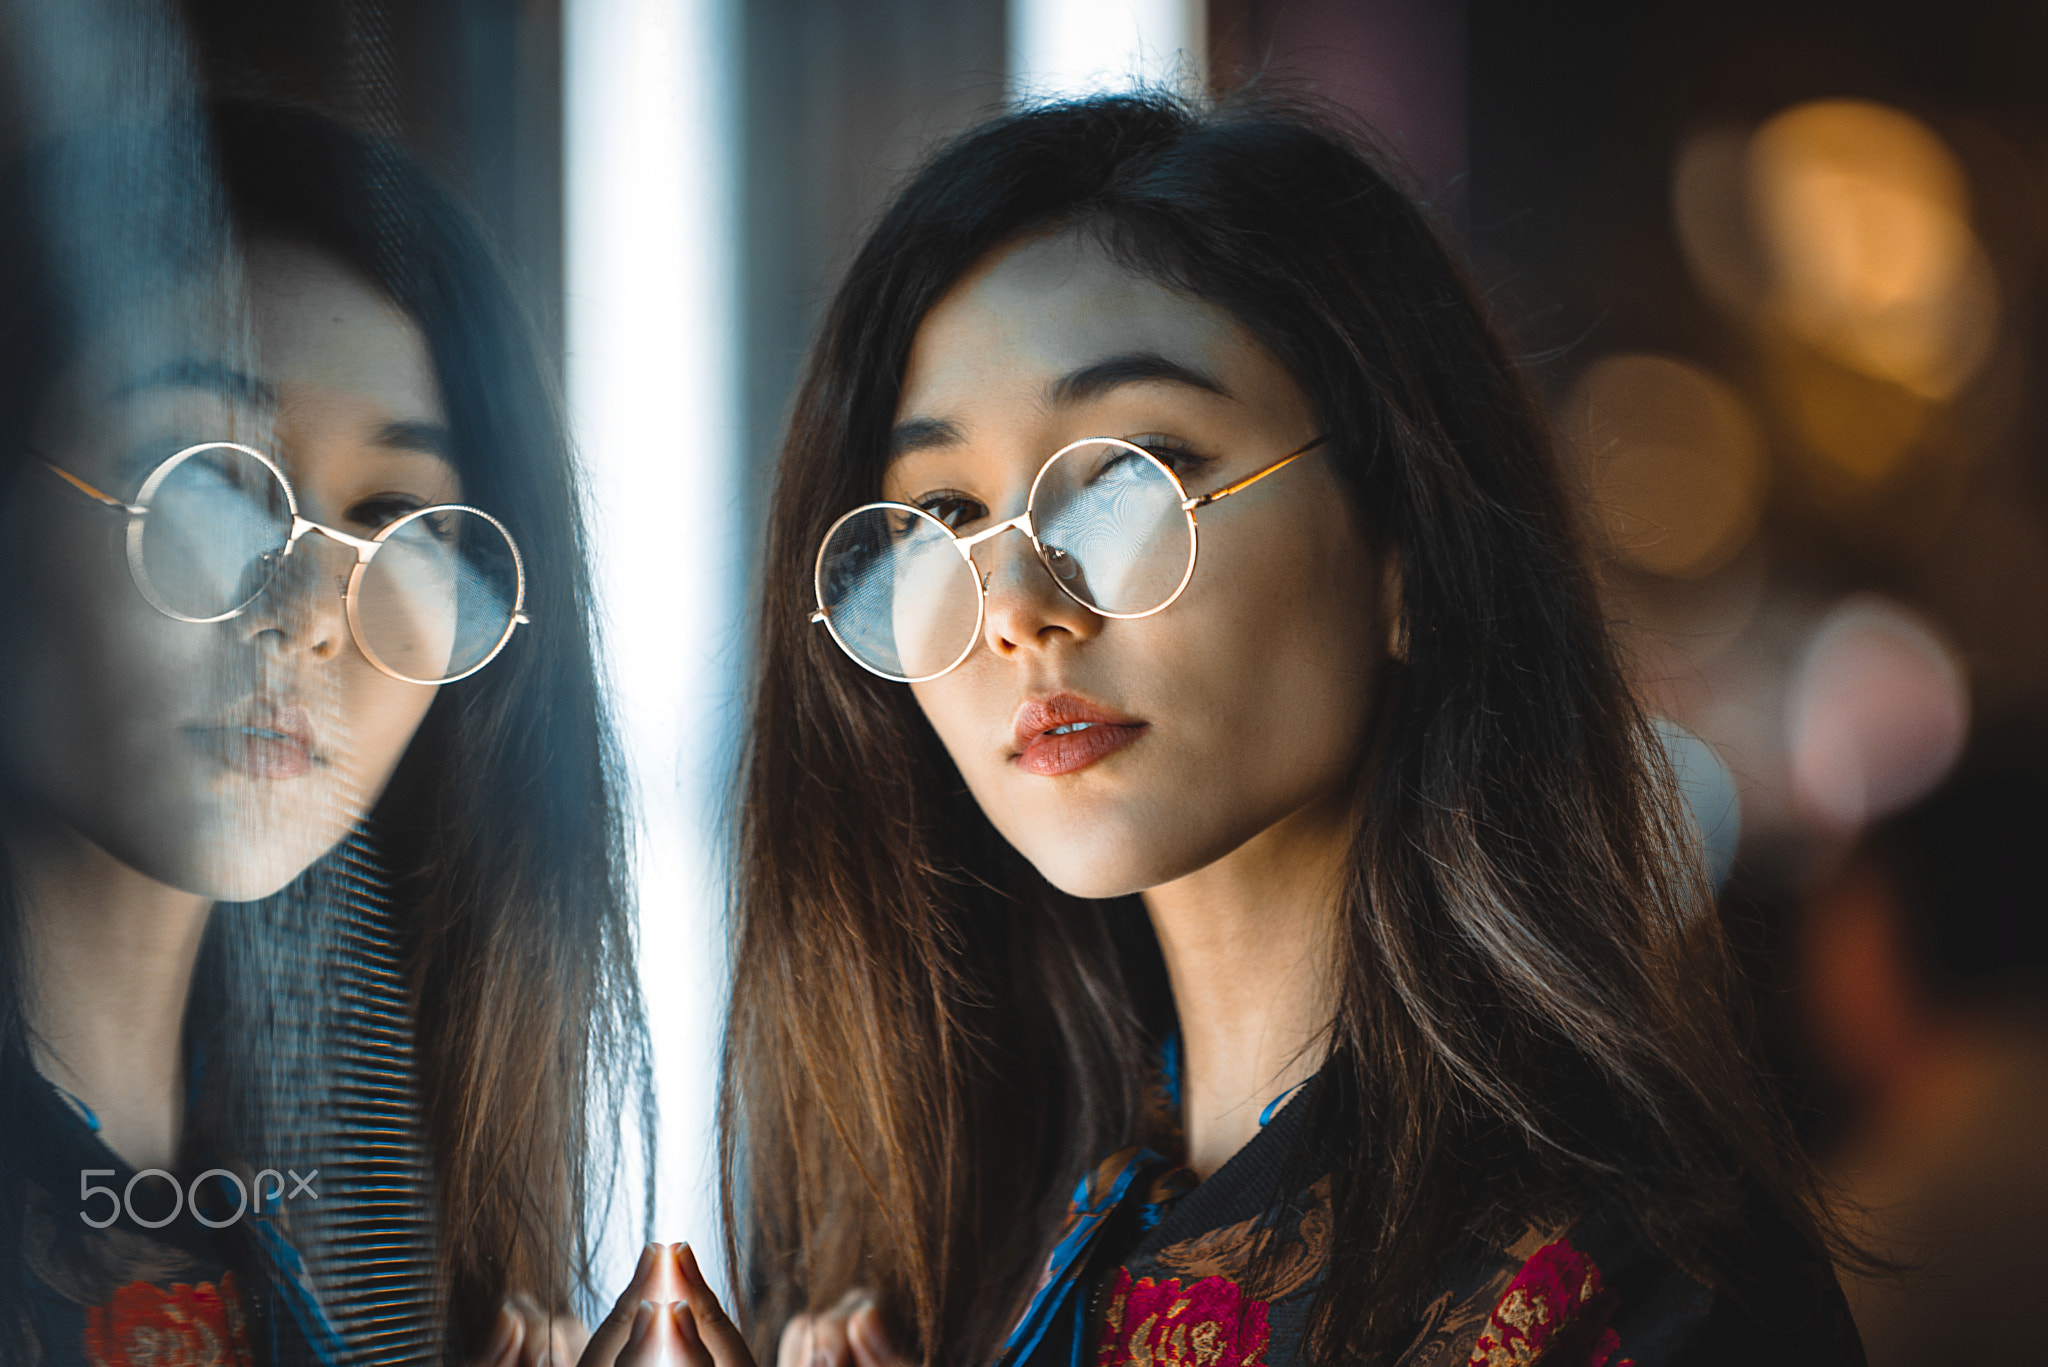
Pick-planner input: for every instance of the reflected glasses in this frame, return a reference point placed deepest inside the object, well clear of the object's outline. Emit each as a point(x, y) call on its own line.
point(1113, 526)
point(433, 598)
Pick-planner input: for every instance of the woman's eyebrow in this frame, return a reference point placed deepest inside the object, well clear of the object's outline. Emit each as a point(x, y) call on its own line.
point(190, 372)
point(428, 438)
point(922, 434)
point(1091, 381)
point(1097, 378)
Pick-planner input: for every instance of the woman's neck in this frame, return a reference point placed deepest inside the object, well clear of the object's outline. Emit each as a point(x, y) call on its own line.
point(110, 954)
point(1249, 943)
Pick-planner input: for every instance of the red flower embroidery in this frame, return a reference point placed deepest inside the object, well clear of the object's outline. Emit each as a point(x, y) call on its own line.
point(1555, 1312)
point(1210, 1323)
point(186, 1326)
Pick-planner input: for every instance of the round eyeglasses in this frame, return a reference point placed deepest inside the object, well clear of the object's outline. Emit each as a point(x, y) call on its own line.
point(434, 596)
point(1113, 526)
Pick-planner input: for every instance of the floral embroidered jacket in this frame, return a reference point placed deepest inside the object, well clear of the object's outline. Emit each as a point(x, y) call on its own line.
point(1151, 1268)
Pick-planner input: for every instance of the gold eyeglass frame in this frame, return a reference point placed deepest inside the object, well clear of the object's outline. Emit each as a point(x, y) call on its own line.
point(365, 550)
point(1022, 523)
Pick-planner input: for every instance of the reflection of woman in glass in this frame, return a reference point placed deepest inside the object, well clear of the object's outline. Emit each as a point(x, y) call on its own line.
point(1241, 916)
point(312, 563)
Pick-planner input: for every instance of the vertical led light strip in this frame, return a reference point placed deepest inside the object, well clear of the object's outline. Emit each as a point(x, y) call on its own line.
point(1064, 48)
point(651, 325)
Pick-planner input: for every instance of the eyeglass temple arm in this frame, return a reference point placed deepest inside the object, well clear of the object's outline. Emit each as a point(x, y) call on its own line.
point(1254, 477)
point(75, 482)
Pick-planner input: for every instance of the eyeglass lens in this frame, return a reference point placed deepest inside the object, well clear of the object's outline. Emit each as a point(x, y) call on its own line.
point(899, 598)
point(1110, 520)
point(437, 600)
point(217, 524)
point(434, 602)
point(903, 601)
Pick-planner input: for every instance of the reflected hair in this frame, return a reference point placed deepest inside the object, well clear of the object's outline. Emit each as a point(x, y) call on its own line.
point(500, 829)
point(1536, 1010)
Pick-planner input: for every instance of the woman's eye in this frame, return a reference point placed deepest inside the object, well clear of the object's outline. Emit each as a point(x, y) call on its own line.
point(1174, 455)
point(955, 510)
point(443, 527)
point(381, 510)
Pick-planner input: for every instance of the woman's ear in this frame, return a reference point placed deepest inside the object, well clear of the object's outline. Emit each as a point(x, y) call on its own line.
point(1393, 611)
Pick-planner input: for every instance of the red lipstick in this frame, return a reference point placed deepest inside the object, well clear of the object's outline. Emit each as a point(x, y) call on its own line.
point(1063, 733)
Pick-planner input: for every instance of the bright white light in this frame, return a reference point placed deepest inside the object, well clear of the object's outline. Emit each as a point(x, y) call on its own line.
point(650, 263)
point(1084, 47)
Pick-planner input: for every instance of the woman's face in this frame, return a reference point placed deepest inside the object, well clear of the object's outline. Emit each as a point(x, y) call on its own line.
point(1199, 728)
point(222, 759)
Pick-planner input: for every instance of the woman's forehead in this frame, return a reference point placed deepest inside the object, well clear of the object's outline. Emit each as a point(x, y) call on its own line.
point(322, 325)
point(320, 361)
point(298, 317)
point(1046, 307)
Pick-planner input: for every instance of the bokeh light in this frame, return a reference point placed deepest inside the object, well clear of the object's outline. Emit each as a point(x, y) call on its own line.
point(1863, 217)
point(1877, 715)
point(1711, 796)
point(1839, 234)
point(1710, 214)
point(1672, 460)
point(1860, 429)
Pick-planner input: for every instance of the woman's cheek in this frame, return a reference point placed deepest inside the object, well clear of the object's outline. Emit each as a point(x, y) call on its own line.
point(383, 717)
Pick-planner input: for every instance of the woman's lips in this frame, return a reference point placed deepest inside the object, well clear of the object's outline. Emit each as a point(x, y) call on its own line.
point(1061, 734)
point(277, 745)
point(1053, 754)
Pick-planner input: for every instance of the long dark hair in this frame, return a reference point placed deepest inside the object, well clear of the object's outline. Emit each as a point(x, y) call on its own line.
point(929, 1043)
point(501, 828)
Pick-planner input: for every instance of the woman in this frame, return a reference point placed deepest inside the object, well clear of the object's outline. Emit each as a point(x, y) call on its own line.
point(296, 588)
point(1288, 953)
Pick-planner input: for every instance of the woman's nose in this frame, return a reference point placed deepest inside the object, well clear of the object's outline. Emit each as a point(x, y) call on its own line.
point(303, 608)
point(1025, 609)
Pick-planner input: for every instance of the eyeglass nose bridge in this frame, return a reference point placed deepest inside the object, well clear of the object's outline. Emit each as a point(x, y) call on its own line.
point(302, 526)
point(1021, 523)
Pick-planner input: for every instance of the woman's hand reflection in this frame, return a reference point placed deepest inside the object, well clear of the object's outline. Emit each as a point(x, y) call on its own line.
point(669, 1314)
point(527, 1336)
point(850, 1334)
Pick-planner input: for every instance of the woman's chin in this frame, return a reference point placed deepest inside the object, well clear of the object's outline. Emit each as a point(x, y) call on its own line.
point(1107, 870)
point(250, 868)
point(224, 881)
point(250, 886)
point(1124, 859)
